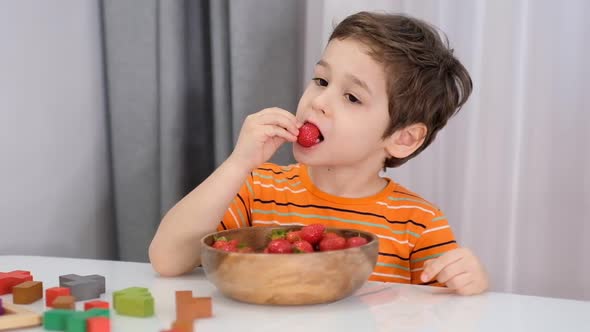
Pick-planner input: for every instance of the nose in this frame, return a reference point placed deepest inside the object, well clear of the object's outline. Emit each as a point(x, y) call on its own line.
point(320, 103)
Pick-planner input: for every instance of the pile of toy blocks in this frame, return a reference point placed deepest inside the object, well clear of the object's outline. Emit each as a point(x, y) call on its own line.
point(61, 301)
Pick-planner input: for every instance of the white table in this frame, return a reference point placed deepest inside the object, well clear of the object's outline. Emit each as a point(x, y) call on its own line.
point(375, 307)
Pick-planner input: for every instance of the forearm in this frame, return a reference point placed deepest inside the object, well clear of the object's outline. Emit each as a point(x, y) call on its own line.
point(175, 249)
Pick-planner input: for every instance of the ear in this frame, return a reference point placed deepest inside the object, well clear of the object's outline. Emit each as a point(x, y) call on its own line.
point(405, 141)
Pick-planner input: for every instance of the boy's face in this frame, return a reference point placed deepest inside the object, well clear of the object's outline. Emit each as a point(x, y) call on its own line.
point(347, 101)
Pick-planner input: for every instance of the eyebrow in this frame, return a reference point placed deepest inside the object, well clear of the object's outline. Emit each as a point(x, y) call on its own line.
point(351, 77)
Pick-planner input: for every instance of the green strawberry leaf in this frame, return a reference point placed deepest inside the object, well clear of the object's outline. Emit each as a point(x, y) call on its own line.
point(220, 238)
point(277, 234)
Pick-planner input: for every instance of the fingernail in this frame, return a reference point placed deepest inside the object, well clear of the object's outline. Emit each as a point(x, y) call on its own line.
point(424, 277)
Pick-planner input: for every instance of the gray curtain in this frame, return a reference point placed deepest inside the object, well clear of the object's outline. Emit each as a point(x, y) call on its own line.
point(180, 78)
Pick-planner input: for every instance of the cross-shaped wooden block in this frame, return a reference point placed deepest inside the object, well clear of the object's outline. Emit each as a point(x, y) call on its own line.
point(16, 317)
point(83, 287)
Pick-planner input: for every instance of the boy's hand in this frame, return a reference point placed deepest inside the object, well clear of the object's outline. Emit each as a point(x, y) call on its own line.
point(262, 134)
point(459, 269)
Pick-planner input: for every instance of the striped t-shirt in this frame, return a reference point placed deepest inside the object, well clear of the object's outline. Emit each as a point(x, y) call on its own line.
point(410, 229)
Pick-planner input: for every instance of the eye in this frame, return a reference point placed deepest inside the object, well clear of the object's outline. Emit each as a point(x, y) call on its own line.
point(320, 81)
point(352, 99)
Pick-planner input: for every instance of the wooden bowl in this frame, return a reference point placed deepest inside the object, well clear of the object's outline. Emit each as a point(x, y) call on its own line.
point(287, 279)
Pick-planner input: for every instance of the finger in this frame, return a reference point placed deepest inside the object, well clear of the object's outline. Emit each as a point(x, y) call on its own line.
point(276, 131)
point(436, 265)
point(450, 271)
point(281, 120)
point(459, 281)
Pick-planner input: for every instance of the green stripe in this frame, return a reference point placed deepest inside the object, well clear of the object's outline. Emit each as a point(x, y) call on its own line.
point(425, 258)
point(250, 189)
point(397, 199)
point(394, 265)
point(242, 217)
point(348, 221)
point(276, 180)
point(439, 218)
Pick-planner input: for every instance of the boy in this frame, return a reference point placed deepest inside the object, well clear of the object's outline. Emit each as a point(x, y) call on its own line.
point(385, 85)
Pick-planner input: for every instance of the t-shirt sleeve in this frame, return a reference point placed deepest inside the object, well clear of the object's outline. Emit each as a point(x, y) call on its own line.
point(238, 212)
point(434, 241)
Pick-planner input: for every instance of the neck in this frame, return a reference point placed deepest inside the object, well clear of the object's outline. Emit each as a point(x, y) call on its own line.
point(347, 182)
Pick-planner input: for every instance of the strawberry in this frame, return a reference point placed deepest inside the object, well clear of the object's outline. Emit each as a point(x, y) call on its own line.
point(312, 233)
point(224, 244)
point(329, 235)
point(293, 236)
point(355, 241)
point(333, 243)
point(309, 135)
point(302, 246)
point(280, 246)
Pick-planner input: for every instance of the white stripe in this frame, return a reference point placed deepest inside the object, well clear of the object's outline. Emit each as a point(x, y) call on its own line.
point(235, 219)
point(396, 240)
point(406, 207)
point(435, 229)
point(278, 189)
point(274, 222)
point(391, 275)
point(418, 269)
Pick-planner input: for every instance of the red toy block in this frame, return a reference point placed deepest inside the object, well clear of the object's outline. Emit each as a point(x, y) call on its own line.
point(98, 324)
point(96, 304)
point(13, 278)
point(52, 293)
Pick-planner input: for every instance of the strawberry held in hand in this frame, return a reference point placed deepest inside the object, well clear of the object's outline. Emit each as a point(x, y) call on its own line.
point(309, 135)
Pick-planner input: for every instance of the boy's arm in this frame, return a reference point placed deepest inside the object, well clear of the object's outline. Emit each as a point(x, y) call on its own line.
point(175, 249)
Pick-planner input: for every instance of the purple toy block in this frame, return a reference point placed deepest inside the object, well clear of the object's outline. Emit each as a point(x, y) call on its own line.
point(1, 308)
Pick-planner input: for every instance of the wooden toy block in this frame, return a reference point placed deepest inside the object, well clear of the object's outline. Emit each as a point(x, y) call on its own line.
point(77, 322)
point(27, 292)
point(98, 324)
point(16, 317)
point(83, 287)
point(13, 278)
point(134, 301)
point(64, 302)
point(1, 308)
point(96, 304)
point(182, 326)
point(53, 292)
point(55, 319)
point(71, 321)
point(190, 308)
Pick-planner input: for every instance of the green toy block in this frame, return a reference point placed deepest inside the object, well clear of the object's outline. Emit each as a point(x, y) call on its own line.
point(69, 320)
point(55, 319)
point(134, 301)
point(76, 322)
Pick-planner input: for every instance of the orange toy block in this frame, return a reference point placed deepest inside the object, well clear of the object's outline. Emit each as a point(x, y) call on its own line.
point(64, 302)
point(182, 326)
point(96, 304)
point(27, 292)
point(16, 317)
point(189, 308)
point(98, 324)
point(13, 278)
point(53, 292)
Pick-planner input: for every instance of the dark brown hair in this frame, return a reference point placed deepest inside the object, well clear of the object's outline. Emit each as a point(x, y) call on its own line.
point(425, 82)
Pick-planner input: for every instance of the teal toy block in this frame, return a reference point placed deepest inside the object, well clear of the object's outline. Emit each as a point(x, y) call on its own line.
point(134, 301)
